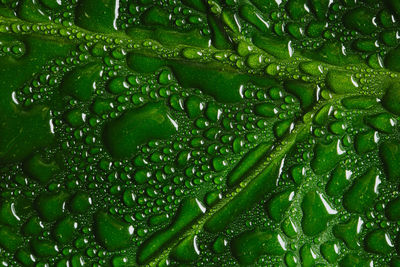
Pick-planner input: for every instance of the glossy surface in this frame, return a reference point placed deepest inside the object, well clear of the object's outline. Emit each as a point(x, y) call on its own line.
point(199, 133)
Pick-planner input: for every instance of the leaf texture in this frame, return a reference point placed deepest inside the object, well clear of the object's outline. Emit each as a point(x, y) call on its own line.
point(199, 133)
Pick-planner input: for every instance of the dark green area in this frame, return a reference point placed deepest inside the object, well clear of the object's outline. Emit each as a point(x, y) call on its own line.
point(23, 130)
point(123, 135)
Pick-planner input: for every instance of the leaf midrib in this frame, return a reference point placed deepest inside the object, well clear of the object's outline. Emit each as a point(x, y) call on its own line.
point(121, 39)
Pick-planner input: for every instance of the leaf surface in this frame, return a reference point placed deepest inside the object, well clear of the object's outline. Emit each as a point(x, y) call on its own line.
point(199, 133)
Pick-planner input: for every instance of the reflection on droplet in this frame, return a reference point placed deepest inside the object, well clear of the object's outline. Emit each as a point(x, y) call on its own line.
point(290, 48)
point(328, 208)
point(360, 223)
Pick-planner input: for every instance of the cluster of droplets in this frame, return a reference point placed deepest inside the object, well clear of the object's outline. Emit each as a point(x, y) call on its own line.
point(61, 12)
point(351, 230)
point(78, 190)
point(12, 47)
point(172, 15)
point(147, 190)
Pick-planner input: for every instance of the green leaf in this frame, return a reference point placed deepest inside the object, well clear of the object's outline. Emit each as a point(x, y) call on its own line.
point(199, 133)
